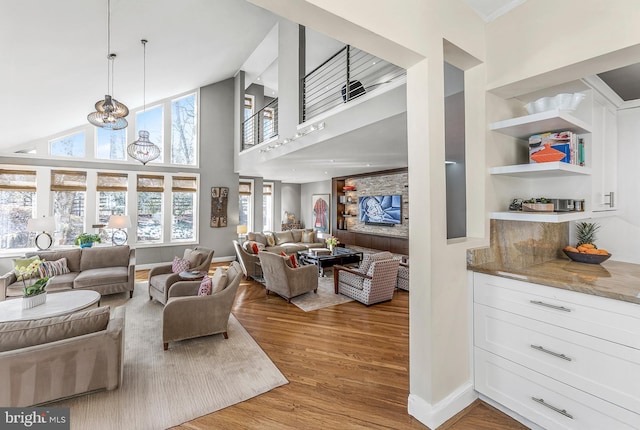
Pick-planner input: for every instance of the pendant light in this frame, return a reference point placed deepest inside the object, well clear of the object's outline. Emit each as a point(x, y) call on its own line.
point(142, 149)
point(109, 112)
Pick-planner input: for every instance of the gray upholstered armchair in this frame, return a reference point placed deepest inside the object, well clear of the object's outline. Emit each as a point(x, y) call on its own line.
point(284, 280)
point(161, 278)
point(187, 315)
point(249, 262)
point(373, 282)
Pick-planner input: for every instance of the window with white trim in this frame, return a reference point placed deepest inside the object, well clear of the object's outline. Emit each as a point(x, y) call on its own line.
point(246, 203)
point(111, 144)
point(150, 208)
point(267, 206)
point(152, 120)
point(69, 189)
point(183, 207)
point(72, 145)
point(184, 136)
point(111, 198)
point(17, 207)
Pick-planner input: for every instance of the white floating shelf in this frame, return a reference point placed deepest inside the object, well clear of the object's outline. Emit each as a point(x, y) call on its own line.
point(540, 216)
point(553, 120)
point(542, 170)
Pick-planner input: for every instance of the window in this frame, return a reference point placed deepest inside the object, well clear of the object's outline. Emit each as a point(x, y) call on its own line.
point(268, 123)
point(267, 206)
point(183, 207)
point(183, 130)
point(150, 189)
point(246, 204)
point(69, 192)
point(68, 146)
point(17, 207)
point(111, 144)
point(111, 198)
point(248, 106)
point(151, 120)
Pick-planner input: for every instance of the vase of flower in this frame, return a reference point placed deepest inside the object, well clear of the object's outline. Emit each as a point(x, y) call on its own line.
point(36, 294)
point(331, 248)
point(33, 301)
point(332, 242)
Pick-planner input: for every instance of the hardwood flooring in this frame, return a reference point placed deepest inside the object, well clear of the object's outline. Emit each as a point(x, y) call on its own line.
point(347, 366)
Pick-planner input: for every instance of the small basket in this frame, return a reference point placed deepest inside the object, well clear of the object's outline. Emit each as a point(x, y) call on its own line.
point(582, 257)
point(33, 301)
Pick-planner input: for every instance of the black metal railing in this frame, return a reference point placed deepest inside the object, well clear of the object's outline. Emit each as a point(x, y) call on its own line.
point(261, 126)
point(346, 75)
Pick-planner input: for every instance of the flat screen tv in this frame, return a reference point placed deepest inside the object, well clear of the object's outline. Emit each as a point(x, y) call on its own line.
point(380, 209)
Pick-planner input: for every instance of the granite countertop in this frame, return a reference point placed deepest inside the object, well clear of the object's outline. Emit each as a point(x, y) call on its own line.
point(611, 279)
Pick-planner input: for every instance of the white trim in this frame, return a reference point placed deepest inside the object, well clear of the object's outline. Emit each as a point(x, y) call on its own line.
point(605, 90)
point(433, 416)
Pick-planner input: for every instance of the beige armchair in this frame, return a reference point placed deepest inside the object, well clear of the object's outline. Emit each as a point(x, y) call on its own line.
point(284, 280)
point(373, 282)
point(249, 262)
point(161, 278)
point(187, 315)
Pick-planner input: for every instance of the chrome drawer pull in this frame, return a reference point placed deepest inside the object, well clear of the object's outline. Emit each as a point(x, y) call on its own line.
point(555, 354)
point(556, 307)
point(553, 408)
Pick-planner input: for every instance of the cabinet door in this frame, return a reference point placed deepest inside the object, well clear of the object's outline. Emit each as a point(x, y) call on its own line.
point(604, 156)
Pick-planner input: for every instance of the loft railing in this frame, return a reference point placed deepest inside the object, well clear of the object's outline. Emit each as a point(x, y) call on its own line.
point(346, 75)
point(261, 126)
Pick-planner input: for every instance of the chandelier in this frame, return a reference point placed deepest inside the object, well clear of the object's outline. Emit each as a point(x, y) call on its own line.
point(143, 149)
point(109, 112)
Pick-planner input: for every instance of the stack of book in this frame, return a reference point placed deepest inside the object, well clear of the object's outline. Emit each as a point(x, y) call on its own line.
point(564, 146)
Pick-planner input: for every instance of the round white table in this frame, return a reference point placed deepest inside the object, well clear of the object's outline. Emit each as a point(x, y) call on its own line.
point(61, 303)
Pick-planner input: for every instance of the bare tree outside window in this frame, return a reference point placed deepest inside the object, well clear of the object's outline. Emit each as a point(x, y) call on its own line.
point(183, 130)
point(69, 210)
point(68, 146)
point(16, 208)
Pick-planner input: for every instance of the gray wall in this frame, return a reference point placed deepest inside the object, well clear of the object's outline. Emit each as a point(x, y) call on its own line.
point(290, 201)
point(456, 175)
point(306, 191)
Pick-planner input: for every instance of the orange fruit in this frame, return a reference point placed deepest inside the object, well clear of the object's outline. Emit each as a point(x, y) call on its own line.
point(603, 252)
point(570, 249)
point(591, 251)
point(589, 245)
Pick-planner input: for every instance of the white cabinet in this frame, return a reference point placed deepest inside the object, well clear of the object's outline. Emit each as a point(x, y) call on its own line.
point(561, 359)
point(604, 155)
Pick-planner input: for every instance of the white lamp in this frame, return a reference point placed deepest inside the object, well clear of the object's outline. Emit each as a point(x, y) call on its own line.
point(44, 225)
point(242, 231)
point(119, 222)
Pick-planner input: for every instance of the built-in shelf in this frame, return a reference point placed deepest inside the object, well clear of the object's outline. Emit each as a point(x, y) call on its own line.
point(540, 216)
point(553, 120)
point(542, 170)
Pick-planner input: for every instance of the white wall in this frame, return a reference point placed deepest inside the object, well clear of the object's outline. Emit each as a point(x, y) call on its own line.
point(306, 191)
point(290, 202)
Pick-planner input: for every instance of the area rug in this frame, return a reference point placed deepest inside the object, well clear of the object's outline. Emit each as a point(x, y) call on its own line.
point(162, 389)
point(324, 298)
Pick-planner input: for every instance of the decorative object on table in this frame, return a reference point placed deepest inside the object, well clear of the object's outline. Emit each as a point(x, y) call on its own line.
point(541, 204)
point(586, 250)
point(143, 149)
point(219, 197)
point(320, 209)
point(516, 205)
point(332, 242)
point(35, 294)
point(547, 155)
point(86, 240)
point(241, 230)
point(545, 147)
point(45, 226)
point(109, 112)
point(119, 223)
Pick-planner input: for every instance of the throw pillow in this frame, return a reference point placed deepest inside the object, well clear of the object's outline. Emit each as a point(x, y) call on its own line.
point(254, 248)
point(308, 236)
point(53, 268)
point(292, 261)
point(205, 286)
point(283, 237)
point(20, 265)
point(180, 265)
point(271, 241)
point(194, 257)
point(219, 280)
point(261, 238)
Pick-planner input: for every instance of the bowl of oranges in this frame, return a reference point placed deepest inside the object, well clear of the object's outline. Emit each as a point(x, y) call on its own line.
point(586, 253)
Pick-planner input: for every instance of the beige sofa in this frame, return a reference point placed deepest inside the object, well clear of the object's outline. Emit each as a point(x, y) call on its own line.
point(107, 270)
point(53, 358)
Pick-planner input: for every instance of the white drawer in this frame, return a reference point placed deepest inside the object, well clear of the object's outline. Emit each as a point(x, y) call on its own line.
point(607, 319)
point(605, 369)
point(558, 406)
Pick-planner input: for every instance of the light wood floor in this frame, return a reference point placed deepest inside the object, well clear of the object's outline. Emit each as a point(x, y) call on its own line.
point(347, 366)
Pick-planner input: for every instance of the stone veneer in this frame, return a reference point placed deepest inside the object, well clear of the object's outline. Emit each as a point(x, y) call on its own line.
point(516, 244)
point(391, 184)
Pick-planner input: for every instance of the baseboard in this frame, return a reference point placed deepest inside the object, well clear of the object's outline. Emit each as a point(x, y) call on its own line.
point(433, 416)
point(152, 265)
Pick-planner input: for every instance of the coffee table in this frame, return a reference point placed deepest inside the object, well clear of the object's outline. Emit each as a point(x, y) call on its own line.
point(62, 303)
point(339, 255)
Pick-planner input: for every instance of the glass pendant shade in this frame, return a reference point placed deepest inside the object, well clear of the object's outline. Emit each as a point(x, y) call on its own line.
point(109, 114)
point(112, 105)
point(142, 149)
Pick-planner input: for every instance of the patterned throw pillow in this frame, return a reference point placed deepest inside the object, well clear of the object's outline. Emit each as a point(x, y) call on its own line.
point(271, 241)
point(53, 268)
point(308, 236)
point(21, 264)
point(180, 265)
point(292, 261)
point(205, 286)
